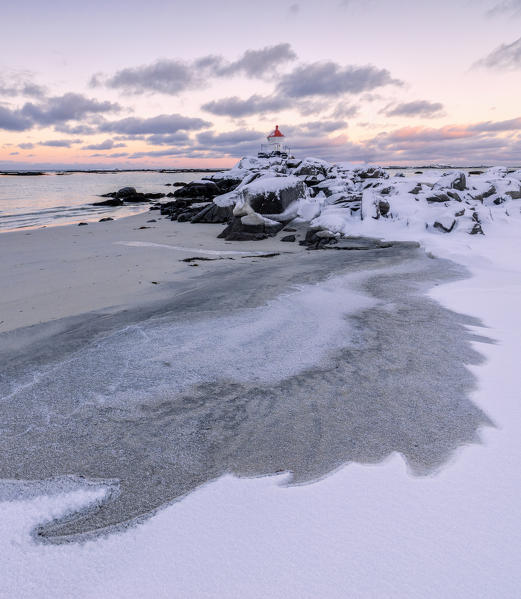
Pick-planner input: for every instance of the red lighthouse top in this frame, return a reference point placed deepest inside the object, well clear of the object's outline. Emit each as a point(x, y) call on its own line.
point(276, 133)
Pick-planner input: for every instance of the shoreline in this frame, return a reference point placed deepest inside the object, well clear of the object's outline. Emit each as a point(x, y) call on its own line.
point(67, 270)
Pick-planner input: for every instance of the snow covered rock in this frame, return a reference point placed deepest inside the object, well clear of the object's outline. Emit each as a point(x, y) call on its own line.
point(452, 180)
point(270, 195)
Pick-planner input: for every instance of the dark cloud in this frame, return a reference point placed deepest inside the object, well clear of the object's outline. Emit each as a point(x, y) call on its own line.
point(236, 108)
point(417, 108)
point(509, 125)
point(26, 146)
point(257, 63)
point(13, 153)
point(164, 76)
point(69, 107)
point(162, 124)
point(14, 120)
point(331, 79)
point(505, 57)
point(108, 144)
point(172, 76)
point(315, 128)
point(60, 143)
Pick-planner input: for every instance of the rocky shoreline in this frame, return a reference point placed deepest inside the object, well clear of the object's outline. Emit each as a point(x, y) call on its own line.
point(260, 197)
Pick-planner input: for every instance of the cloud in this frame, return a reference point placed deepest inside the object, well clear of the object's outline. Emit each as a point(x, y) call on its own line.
point(236, 108)
point(162, 124)
point(168, 139)
point(60, 143)
point(316, 128)
point(417, 108)
point(20, 85)
point(173, 76)
point(505, 57)
point(26, 146)
point(76, 129)
point(345, 111)
point(239, 136)
point(163, 76)
point(509, 125)
point(511, 7)
point(14, 120)
point(331, 79)
point(69, 107)
point(257, 63)
point(108, 144)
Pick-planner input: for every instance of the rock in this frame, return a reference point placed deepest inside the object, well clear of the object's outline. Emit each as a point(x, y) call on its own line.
point(152, 220)
point(179, 184)
point(438, 197)
point(477, 229)
point(105, 219)
point(136, 198)
point(383, 207)
point(207, 190)
point(316, 240)
point(82, 224)
point(111, 202)
point(476, 172)
point(213, 214)
point(124, 192)
point(289, 238)
point(250, 227)
point(270, 195)
point(418, 172)
point(154, 196)
point(460, 212)
point(452, 180)
point(371, 172)
point(311, 167)
point(445, 226)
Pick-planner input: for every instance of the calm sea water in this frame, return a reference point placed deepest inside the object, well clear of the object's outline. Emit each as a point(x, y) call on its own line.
point(36, 201)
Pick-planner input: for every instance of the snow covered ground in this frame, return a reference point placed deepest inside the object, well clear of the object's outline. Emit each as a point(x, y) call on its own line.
point(368, 531)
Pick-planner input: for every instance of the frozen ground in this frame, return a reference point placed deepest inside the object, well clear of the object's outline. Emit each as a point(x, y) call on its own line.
point(392, 404)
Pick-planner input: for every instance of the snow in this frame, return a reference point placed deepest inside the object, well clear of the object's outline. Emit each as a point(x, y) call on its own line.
point(365, 531)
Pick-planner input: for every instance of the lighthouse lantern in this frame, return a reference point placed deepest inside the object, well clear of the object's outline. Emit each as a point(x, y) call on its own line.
point(276, 146)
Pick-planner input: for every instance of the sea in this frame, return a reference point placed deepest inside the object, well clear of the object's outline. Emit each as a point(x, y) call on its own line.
point(32, 201)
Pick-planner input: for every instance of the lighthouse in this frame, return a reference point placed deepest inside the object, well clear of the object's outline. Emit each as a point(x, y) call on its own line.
point(275, 145)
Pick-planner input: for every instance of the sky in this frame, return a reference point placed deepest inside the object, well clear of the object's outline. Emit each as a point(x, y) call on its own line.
point(161, 84)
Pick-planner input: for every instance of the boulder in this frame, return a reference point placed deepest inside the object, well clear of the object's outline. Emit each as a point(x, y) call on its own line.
point(269, 195)
point(250, 227)
point(213, 214)
point(109, 202)
point(288, 238)
point(205, 190)
point(125, 192)
point(452, 180)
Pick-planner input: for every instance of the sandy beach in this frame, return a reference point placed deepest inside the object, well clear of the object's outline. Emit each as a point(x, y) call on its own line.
point(55, 272)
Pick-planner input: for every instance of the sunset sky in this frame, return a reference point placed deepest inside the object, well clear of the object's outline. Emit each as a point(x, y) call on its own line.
point(173, 84)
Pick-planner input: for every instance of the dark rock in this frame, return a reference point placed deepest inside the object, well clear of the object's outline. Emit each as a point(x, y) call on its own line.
point(288, 238)
point(290, 230)
point(213, 214)
point(105, 219)
point(271, 202)
point(152, 220)
point(460, 212)
point(383, 207)
point(442, 227)
point(372, 172)
point(416, 189)
point(207, 190)
point(179, 184)
point(111, 202)
point(438, 197)
point(515, 195)
point(169, 195)
point(476, 229)
point(136, 198)
point(154, 196)
point(418, 173)
point(316, 240)
point(476, 172)
point(82, 224)
point(124, 192)
point(156, 207)
point(248, 228)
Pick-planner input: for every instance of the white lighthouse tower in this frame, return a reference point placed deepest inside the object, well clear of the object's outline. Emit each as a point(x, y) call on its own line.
point(275, 145)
